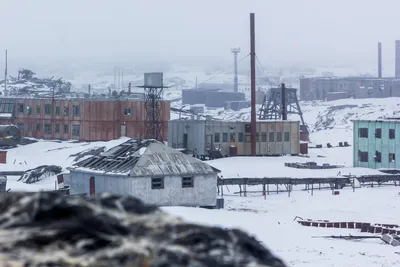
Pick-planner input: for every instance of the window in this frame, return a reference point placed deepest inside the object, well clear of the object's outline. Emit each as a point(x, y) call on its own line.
point(378, 156)
point(217, 138)
point(20, 126)
point(38, 127)
point(157, 183)
point(76, 110)
point(247, 128)
point(58, 111)
point(66, 130)
point(47, 128)
point(392, 157)
point(37, 109)
point(233, 137)
point(48, 109)
point(278, 137)
point(271, 137)
point(21, 108)
point(378, 133)
point(392, 134)
point(240, 137)
point(362, 156)
point(224, 137)
point(248, 138)
point(363, 132)
point(187, 182)
point(127, 111)
point(28, 110)
point(286, 137)
point(76, 130)
point(66, 111)
point(57, 129)
point(257, 137)
point(263, 137)
point(30, 127)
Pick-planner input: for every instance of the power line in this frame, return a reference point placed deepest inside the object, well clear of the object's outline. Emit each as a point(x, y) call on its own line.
point(263, 70)
point(222, 71)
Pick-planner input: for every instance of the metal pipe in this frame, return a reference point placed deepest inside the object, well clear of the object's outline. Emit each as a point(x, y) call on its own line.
point(379, 60)
point(5, 75)
point(253, 85)
point(284, 106)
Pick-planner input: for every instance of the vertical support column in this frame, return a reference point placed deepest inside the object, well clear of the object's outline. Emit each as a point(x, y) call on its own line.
point(253, 84)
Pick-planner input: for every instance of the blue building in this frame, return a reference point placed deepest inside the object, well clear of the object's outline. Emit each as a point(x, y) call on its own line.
point(376, 143)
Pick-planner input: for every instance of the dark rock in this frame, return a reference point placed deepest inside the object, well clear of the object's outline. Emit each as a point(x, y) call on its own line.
point(51, 229)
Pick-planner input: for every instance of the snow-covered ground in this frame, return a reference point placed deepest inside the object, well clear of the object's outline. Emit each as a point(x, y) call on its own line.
point(271, 219)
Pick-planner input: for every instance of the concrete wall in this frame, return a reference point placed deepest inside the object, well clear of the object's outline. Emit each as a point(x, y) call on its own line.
point(384, 145)
point(202, 135)
point(203, 193)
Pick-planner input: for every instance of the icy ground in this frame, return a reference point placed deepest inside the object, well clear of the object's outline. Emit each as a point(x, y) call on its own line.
point(271, 219)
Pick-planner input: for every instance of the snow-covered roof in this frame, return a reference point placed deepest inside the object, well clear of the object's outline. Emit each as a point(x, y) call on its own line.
point(143, 158)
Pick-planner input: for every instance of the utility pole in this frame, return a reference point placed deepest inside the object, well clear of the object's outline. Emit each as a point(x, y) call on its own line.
point(253, 123)
point(5, 75)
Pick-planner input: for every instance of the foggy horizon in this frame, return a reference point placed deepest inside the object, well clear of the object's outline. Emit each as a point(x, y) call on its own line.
point(309, 32)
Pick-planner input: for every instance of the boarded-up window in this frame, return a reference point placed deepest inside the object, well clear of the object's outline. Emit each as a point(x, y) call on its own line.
point(363, 132)
point(271, 137)
point(187, 182)
point(392, 134)
point(362, 156)
point(66, 129)
point(240, 137)
point(392, 157)
point(286, 137)
point(157, 183)
point(263, 137)
point(224, 137)
point(217, 138)
point(278, 137)
point(57, 130)
point(378, 133)
point(48, 109)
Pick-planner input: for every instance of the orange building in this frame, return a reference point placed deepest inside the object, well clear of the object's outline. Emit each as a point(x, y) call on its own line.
point(89, 119)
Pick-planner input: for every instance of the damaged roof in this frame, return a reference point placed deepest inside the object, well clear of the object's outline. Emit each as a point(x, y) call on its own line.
point(143, 158)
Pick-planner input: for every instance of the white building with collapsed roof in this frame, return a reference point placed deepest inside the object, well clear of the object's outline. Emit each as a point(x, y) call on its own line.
point(148, 170)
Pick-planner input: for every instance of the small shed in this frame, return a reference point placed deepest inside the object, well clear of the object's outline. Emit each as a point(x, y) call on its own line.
point(148, 170)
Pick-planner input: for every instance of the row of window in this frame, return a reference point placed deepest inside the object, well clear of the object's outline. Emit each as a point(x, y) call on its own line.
point(48, 110)
point(48, 128)
point(158, 182)
point(363, 133)
point(363, 157)
point(285, 137)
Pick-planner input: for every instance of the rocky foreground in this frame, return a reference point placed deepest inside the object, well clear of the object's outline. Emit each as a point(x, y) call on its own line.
point(49, 229)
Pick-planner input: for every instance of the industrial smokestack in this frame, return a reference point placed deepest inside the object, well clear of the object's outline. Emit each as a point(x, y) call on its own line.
point(284, 110)
point(235, 52)
point(379, 60)
point(253, 123)
point(397, 59)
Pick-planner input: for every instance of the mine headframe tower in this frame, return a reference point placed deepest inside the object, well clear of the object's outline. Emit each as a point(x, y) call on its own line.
point(272, 108)
point(153, 98)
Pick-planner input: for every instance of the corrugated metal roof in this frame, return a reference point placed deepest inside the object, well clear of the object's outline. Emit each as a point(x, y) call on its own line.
point(145, 158)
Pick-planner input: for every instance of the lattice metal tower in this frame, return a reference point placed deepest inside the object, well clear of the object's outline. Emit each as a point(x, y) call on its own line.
point(271, 108)
point(153, 97)
point(235, 52)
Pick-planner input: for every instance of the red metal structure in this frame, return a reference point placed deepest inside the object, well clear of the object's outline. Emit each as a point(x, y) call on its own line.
point(253, 126)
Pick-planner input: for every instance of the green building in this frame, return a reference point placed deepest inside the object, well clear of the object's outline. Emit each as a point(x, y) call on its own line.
point(376, 143)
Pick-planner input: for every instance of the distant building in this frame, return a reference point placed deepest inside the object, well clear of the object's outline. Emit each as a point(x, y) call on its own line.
point(210, 97)
point(233, 137)
point(321, 88)
point(84, 119)
point(376, 143)
point(148, 170)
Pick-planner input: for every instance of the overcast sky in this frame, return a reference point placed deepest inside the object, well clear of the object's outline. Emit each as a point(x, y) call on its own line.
point(314, 31)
